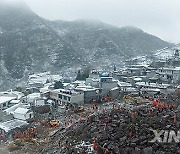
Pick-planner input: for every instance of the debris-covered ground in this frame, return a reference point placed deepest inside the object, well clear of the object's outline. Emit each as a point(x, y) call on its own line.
point(117, 128)
point(120, 131)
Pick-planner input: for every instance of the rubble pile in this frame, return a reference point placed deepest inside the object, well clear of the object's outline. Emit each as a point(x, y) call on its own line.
point(120, 131)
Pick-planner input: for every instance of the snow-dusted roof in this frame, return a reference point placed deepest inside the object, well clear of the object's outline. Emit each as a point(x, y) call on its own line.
point(95, 80)
point(115, 88)
point(21, 110)
point(66, 84)
point(44, 89)
point(85, 88)
point(131, 89)
point(12, 124)
point(15, 101)
point(153, 85)
point(4, 99)
point(79, 82)
point(133, 68)
point(12, 108)
point(124, 84)
point(106, 77)
point(34, 95)
point(150, 89)
point(137, 79)
point(170, 68)
point(69, 92)
point(11, 93)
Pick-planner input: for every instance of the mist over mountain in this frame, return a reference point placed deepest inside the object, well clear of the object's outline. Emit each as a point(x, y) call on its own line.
point(29, 43)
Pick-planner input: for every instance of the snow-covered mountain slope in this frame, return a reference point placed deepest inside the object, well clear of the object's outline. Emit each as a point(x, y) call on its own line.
point(29, 43)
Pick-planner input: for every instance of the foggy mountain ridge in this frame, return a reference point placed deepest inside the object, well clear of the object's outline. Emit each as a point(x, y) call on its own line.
point(29, 43)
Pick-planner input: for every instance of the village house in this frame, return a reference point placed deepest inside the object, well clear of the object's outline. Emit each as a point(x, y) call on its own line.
point(124, 85)
point(11, 109)
point(23, 114)
point(78, 83)
point(150, 72)
point(8, 127)
point(29, 99)
point(14, 102)
point(95, 74)
point(39, 80)
point(39, 102)
point(9, 124)
point(169, 74)
point(90, 93)
point(11, 93)
point(106, 84)
point(4, 116)
point(5, 102)
point(149, 85)
point(114, 93)
point(92, 82)
point(62, 96)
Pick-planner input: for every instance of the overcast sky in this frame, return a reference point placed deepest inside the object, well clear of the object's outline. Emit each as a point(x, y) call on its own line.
point(157, 17)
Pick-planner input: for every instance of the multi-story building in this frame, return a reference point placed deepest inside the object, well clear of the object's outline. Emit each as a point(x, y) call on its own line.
point(106, 84)
point(62, 96)
point(169, 75)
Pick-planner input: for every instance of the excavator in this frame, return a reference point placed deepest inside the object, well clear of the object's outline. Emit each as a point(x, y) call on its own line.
point(54, 123)
point(78, 109)
point(127, 97)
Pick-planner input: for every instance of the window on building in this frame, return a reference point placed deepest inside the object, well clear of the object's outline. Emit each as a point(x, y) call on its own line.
point(60, 96)
point(69, 99)
point(4, 104)
point(65, 97)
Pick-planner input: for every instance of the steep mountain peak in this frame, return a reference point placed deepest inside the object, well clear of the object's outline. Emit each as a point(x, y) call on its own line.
point(14, 4)
point(16, 14)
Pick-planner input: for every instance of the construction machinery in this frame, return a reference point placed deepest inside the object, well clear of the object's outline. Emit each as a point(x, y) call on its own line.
point(132, 99)
point(54, 123)
point(75, 108)
point(78, 109)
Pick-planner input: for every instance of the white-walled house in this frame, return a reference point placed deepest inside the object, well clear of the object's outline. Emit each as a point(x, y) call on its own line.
point(4, 101)
point(31, 98)
point(124, 85)
point(23, 114)
point(39, 102)
point(63, 96)
point(170, 75)
point(7, 127)
point(11, 93)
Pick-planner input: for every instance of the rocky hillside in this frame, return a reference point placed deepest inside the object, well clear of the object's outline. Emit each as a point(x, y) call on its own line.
point(29, 43)
point(97, 38)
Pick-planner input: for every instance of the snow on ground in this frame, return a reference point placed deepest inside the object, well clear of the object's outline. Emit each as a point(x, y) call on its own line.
point(165, 54)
